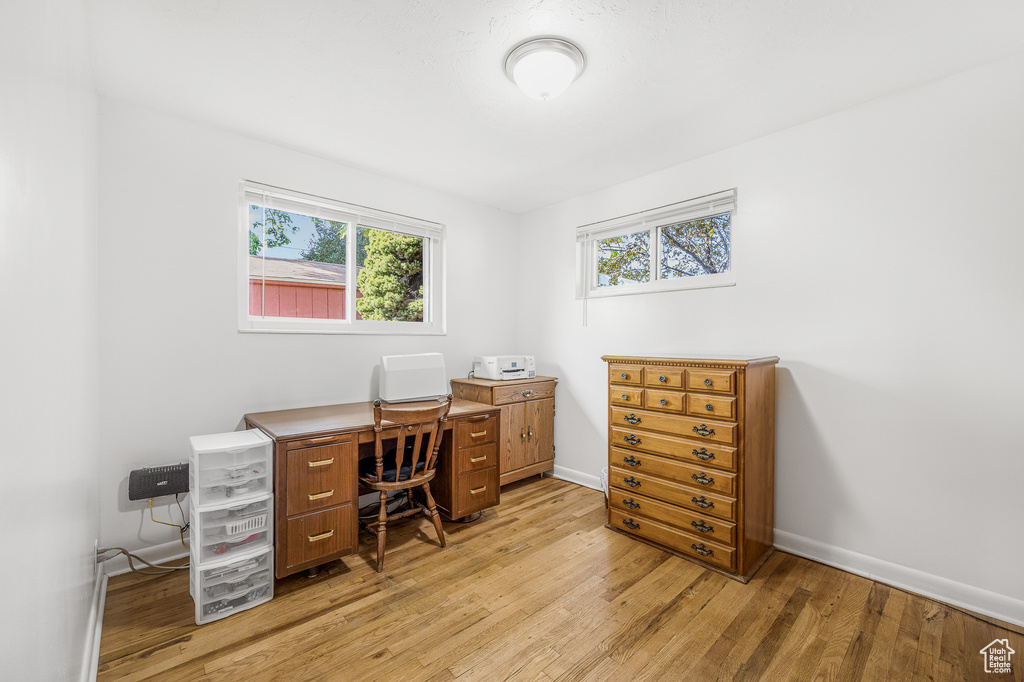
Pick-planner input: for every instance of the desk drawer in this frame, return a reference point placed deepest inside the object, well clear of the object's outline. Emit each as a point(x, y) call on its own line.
point(315, 537)
point(320, 477)
point(471, 431)
point(475, 492)
point(517, 393)
point(468, 460)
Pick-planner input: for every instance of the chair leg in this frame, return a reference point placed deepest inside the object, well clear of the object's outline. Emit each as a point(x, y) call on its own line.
point(432, 513)
point(382, 529)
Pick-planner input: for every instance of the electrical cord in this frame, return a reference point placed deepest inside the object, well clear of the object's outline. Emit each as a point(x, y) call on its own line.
point(181, 529)
point(162, 570)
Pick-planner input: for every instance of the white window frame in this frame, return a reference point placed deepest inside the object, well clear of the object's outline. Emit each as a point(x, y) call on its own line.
point(354, 216)
point(652, 221)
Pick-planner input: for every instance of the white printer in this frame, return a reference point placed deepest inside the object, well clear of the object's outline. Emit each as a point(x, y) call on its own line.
point(504, 367)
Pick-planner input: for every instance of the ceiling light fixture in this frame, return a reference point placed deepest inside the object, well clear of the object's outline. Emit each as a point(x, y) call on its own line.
point(544, 67)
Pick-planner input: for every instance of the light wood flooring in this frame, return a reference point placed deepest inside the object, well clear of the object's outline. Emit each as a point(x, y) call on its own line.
point(539, 589)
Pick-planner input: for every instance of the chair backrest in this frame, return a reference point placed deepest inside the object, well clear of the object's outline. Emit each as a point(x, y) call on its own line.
point(417, 422)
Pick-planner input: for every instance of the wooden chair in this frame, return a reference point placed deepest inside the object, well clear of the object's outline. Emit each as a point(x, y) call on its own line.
point(411, 466)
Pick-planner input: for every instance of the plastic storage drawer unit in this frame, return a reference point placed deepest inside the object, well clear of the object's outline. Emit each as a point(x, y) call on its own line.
point(228, 587)
point(223, 532)
point(230, 467)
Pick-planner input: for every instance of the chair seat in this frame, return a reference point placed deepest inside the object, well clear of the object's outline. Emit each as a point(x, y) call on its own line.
point(368, 466)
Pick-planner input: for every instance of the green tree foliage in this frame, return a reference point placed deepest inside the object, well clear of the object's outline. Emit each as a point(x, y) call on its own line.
point(625, 259)
point(327, 244)
point(279, 225)
point(391, 281)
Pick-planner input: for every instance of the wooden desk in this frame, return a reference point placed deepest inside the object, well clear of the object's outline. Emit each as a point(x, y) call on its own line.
point(316, 457)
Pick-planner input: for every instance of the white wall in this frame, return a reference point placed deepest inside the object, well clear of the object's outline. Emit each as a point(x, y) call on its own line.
point(878, 253)
point(48, 337)
point(173, 363)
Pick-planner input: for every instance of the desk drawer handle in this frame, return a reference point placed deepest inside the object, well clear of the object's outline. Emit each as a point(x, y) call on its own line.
point(631, 482)
point(703, 502)
point(703, 454)
point(322, 536)
point(662, 379)
point(320, 496)
point(477, 491)
point(630, 523)
point(474, 460)
point(703, 430)
point(703, 479)
point(478, 418)
point(632, 419)
point(631, 461)
point(631, 503)
point(709, 407)
point(702, 527)
point(702, 550)
point(477, 434)
point(707, 382)
point(632, 440)
point(320, 440)
point(321, 463)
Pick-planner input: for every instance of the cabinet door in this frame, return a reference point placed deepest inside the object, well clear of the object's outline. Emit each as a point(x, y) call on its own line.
point(540, 431)
point(513, 437)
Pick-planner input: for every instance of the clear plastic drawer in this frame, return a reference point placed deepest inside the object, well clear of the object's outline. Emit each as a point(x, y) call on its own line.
point(226, 531)
point(226, 467)
point(229, 587)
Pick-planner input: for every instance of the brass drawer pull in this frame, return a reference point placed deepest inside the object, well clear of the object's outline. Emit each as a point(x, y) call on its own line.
point(527, 393)
point(625, 397)
point(477, 491)
point(632, 419)
point(320, 496)
point(321, 439)
point(631, 503)
point(632, 440)
point(707, 382)
point(630, 523)
point(631, 461)
point(709, 407)
point(702, 527)
point(702, 550)
point(703, 430)
point(703, 502)
point(529, 432)
point(474, 460)
point(477, 434)
point(321, 463)
point(703, 479)
point(631, 482)
point(322, 536)
point(664, 402)
point(703, 454)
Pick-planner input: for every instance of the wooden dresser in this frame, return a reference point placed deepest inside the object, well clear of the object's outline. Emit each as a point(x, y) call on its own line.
point(691, 456)
point(527, 421)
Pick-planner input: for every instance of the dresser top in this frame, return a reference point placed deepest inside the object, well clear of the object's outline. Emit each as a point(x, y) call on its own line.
point(704, 360)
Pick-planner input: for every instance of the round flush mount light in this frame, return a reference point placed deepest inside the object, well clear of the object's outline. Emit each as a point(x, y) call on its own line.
point(544, 68)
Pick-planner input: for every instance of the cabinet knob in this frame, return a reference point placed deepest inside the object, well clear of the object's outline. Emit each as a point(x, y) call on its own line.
point(623, 375)
point(709, 407)
point(707, 382)
point(625, 397)
point(661, 379)
point(664, 402)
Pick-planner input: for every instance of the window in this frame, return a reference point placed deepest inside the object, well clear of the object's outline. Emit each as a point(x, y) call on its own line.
point(309, 264)
point(681, 246)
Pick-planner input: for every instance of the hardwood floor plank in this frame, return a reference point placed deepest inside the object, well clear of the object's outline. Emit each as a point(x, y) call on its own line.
point(538, 589)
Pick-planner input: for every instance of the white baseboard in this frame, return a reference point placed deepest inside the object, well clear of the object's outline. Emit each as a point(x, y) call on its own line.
point(935, 587)
point(577, 477)
point(157, 554)
point(94, 629)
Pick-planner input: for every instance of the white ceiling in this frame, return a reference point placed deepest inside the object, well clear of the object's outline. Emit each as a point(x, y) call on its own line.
point(416, 89)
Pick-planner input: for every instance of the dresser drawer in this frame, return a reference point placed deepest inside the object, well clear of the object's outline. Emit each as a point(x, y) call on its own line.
point(721, 407)
point(701, 525)
point(719, 456)
point(699, 477)
point(665, 401)
point(517, 393)
point(665, 377)
point(320, 477)
point(481, 457)
point(625, 374)
point(700, 548)
point(620, 395)
point(470, 431)
point(663, 489)
point(701, 430)
point(320, 534)
point(476, 491)
point(711, 380)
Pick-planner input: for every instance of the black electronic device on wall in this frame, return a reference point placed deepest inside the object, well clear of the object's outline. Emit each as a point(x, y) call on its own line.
point(158, 481)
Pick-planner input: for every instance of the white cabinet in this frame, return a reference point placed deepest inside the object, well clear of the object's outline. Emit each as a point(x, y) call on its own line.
point(232, 514)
